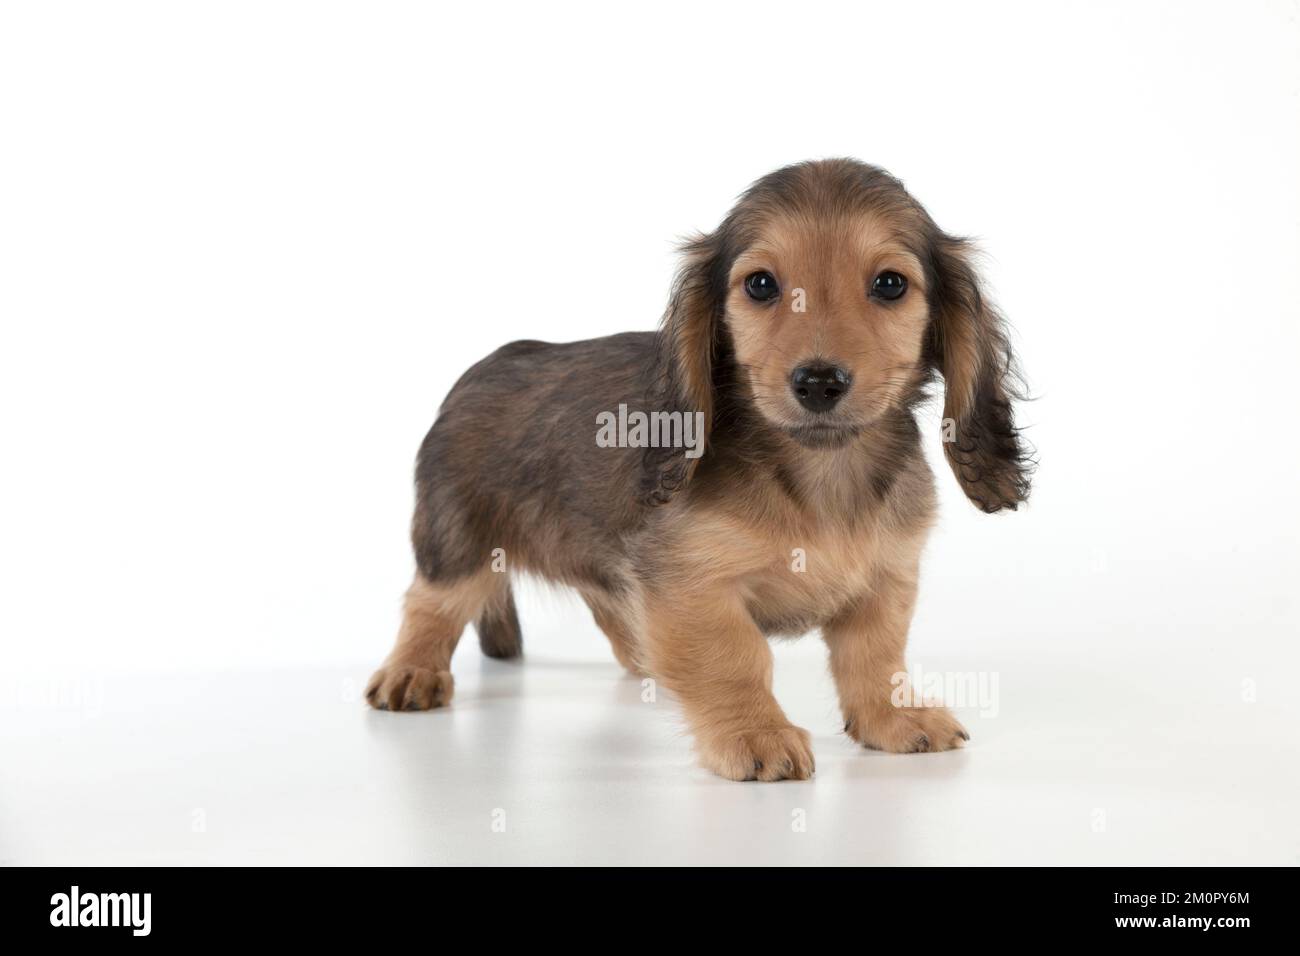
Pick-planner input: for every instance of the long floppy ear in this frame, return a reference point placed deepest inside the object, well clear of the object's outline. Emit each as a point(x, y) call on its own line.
point(688, 341)
point(968, 344)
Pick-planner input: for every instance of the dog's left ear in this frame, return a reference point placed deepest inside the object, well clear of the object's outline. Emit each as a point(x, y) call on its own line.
point(688, 340)
point(968, 343)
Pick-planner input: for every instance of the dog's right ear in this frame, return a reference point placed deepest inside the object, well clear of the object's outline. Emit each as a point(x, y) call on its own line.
point(688, 341)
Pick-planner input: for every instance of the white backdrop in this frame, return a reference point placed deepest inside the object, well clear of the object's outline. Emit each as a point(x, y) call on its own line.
point(245, 249)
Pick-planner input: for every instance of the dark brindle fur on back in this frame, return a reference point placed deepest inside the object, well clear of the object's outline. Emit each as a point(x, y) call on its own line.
point(803, 511)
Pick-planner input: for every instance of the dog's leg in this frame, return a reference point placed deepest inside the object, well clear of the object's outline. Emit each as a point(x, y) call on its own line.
point(498, 624)
point(416, 674)
point(866, 648)
point(709, 652)
point(616, 626)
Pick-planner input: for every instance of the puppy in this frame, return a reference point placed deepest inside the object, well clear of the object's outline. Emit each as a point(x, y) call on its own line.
point(799, 336)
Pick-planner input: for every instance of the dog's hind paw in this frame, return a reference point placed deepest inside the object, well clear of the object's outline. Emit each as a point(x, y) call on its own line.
point(399, 687)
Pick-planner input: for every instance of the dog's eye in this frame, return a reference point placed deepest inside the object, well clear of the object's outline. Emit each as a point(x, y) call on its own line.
point(889, 285)
point(762, 287)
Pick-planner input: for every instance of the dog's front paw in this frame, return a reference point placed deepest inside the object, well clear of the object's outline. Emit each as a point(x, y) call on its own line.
point(907, 730)
point(777, 754)
point(401, 687)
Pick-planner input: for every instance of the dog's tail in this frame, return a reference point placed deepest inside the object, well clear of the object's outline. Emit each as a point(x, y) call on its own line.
point(498, 626)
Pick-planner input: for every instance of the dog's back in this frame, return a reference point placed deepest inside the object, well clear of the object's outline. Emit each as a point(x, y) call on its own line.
point(512, 462)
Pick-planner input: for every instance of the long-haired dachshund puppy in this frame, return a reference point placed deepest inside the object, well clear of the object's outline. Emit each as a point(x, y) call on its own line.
point(753, 468)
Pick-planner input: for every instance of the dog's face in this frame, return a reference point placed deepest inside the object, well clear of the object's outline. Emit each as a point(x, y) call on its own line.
point(834, 298)
point(827, 317)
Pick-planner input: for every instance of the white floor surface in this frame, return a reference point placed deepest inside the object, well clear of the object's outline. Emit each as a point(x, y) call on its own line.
point(547, 761)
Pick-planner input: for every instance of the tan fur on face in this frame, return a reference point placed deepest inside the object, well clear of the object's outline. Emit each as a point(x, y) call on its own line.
point(827, 267)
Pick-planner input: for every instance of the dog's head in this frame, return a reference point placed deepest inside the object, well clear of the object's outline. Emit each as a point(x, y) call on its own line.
point(831, 298)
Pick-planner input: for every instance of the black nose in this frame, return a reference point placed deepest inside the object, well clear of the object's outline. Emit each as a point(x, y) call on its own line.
point(819, 387)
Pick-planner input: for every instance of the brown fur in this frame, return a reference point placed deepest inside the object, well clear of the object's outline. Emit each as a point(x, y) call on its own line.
point(791, 520)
